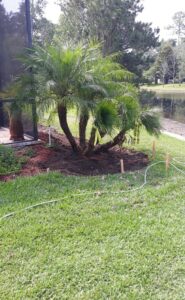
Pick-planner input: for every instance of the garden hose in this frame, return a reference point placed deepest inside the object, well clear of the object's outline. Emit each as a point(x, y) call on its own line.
point(96, 192)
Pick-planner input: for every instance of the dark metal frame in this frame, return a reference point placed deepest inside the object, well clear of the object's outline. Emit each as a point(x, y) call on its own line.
point(30, 45)
point(28, 23)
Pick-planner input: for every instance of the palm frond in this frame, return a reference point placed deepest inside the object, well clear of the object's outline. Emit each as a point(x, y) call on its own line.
point(150, 120)
point(128, 108)
point(106, 116)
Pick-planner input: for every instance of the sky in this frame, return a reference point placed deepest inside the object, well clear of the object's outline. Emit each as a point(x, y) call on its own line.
point(160, 13)
point(157, 12)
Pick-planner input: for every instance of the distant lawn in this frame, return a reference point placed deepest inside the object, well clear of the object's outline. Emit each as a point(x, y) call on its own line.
point(73, 122)
point(101, 246)
point(160, 88)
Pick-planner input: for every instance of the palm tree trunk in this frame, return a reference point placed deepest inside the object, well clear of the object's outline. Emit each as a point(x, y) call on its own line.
point(119, 139)
point(16, 126)
point(62, 114)
point(90, 146)
point(82, 129)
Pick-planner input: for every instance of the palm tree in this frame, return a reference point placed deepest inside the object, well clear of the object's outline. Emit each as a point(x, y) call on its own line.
point(14, 112)
point(21, 91)
point(96, 86)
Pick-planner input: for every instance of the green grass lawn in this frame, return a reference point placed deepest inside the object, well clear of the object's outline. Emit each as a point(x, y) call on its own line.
point(129, 245)
point(160, 88)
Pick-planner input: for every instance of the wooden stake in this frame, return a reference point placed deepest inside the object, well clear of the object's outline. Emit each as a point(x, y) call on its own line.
point(122, 166)
point(153, 150)
point(167, 161)
point(48, 170)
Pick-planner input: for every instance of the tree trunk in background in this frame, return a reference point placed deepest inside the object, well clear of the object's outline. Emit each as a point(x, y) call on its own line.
point(16, 126)
point(62, 114)
point(82, 129)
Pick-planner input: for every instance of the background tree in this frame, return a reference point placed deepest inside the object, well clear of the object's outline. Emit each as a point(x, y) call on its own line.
point(165, 66)
point(181, 61)
point(178, 25)
point(43, 29)
point(114, 24)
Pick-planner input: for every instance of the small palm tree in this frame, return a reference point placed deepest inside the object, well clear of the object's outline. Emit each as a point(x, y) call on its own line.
point(14, 112)
point(21, 91)
point(96, 86)
point(15, 122)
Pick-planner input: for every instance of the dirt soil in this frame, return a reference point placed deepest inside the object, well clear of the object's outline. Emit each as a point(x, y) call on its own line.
point(41, 158)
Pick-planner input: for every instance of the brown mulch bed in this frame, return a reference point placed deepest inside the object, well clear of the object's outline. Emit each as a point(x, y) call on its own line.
point(61, 158)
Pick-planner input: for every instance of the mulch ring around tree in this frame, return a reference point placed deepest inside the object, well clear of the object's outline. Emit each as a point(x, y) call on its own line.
point(59, 157)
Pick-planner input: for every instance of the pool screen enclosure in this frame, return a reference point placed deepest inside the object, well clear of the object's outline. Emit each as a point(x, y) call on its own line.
point(15, 37)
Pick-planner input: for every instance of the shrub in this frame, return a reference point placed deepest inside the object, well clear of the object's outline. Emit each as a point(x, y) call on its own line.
point(8, 160)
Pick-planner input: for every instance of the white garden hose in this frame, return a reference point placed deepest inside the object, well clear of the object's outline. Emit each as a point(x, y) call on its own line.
point(179, 162)
point(97, 192)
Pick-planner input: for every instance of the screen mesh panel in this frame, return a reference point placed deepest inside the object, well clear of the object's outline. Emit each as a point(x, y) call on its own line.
point(13, 39)
point(13, 43)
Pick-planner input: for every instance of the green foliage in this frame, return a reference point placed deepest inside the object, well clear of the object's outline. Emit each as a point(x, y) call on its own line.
point(106, 116)
point(128, 109)
point(80, 75)
point(112, 23)
point(60, 68)
point(151, 122)
point(165, 66)
point(169, 59)
point(181, 61)
point(84, 79)
point(8, 160)
point(43, 29)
